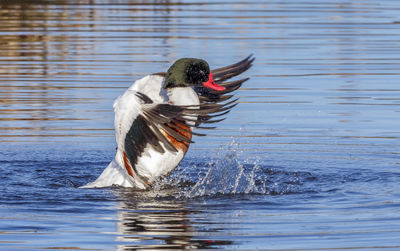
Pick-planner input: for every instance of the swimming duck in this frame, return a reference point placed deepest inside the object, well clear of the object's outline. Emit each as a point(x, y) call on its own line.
point(156, 116)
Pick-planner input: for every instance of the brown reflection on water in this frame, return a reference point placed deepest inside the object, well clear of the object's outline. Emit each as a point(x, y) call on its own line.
point(56, 71)
point(35, 57)
point(146, 223)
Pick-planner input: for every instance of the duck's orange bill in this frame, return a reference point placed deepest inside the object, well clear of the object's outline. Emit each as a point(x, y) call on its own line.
point(212, 85)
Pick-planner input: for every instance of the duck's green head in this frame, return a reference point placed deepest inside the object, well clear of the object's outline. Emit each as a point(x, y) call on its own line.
point(187, 72)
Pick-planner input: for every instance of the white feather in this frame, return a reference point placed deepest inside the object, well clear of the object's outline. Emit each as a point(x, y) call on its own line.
point(112, 175)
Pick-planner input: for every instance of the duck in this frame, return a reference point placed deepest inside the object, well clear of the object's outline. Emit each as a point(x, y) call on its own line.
point(157, 116)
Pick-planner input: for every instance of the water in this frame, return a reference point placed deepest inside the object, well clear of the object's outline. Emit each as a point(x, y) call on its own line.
point(308, 160)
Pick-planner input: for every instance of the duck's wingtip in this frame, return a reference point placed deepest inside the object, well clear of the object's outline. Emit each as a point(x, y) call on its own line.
point(251, 58)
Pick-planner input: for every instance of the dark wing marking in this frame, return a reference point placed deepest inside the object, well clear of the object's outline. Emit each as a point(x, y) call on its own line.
point(147, 129)
point(174, 119)
point(227, 72)
point(137, 138)
point(144, 98)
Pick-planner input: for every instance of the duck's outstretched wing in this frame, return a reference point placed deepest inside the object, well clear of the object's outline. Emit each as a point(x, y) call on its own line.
point(212, 99)
point(227, 72)
point(169, 124)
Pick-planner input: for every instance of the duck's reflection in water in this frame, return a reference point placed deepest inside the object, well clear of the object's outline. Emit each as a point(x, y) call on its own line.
point(149, 222)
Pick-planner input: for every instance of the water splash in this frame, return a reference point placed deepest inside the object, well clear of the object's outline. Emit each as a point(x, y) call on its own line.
point(226, 175)
point(229, 174)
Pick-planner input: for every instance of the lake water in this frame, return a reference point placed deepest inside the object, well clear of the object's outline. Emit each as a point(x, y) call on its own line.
point(309, 158)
